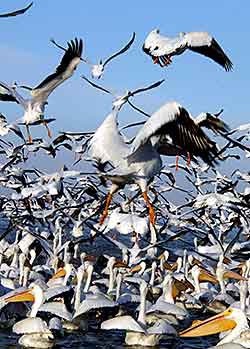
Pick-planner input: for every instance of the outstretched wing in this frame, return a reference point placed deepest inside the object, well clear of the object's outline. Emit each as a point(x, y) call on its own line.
point(174, 122)
point(17, 12)
point(123, 50)
point(9, 94)
point(65, 70)
point(206, 45)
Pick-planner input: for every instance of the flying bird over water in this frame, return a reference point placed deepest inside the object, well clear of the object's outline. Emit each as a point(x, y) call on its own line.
point(17, 12)
point(97, 70)
point(169, 131)
point(162, 48)
point(34, 108)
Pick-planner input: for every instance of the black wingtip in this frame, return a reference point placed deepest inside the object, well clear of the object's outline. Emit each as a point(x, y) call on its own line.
point(17, 12)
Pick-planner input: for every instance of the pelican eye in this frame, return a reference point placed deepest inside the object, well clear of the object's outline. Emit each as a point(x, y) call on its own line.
point(156, 48)
point(229, 311)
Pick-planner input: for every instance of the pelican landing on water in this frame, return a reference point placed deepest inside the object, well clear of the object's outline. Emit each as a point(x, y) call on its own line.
point(169, 131)
point(162, 49)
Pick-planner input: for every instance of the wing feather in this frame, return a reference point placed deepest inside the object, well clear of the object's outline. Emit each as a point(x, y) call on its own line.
point(65, 70)
point(10, 94)
point(206, 45)
point(168, 112)
point(17, 12)
point(174, 122)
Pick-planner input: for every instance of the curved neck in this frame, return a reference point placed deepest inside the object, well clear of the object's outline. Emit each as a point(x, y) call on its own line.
point(152, 278)
point(111, 279)
point(142, 314)
point(78, 290)
point(89, 278)
point(39, 299)
point(118, 285)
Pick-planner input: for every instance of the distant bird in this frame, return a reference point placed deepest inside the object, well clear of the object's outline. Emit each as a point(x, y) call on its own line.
point(97, 70)
point(162, 48)
point(5, 128)
point(34, 108)
point(17, 12)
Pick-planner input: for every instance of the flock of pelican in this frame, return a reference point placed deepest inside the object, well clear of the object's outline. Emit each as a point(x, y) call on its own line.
point(74, 256)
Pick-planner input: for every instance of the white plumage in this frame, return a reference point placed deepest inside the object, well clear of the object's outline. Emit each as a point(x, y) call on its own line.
point(34, 108)
point(162, 48)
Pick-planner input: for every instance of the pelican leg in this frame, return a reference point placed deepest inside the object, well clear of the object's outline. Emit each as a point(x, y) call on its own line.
point(150, 207)
point(177, 162)
point(188, 159)
point(156, 60)
point(29, 134)
point(166, 60)
point(105, 212)
point(47, 128)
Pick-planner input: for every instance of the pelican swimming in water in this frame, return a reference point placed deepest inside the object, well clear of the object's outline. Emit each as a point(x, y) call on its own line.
point(232, 320)
point(138, 332)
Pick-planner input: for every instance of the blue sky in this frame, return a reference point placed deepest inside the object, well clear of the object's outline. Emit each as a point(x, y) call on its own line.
point(197, 83)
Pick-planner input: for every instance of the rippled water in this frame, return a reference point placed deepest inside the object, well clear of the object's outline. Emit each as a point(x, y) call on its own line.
point(109, 340)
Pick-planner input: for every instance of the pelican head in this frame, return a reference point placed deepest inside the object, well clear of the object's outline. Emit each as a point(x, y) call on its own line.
point(231, 319)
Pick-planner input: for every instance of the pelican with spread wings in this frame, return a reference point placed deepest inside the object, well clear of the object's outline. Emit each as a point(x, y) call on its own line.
point(162, 48)
point(34, 108)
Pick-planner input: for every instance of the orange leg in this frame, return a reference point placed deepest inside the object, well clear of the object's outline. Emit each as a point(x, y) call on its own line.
point(47, 128)
point(156, 60)
point(150, 208)
point(105, 212)
point(177, 162)
point(29, 134)
point(188, 159)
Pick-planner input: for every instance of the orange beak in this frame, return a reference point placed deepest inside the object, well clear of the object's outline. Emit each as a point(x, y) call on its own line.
point(24, 296)
point(60, 273)
point(215, 324)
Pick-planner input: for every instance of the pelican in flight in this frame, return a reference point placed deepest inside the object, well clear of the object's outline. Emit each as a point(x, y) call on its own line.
point(34, 108)
point(5, 128)
point(17, 12)
point(162, 48)
point(97, 70)
point(169, 131)
point(232, 320)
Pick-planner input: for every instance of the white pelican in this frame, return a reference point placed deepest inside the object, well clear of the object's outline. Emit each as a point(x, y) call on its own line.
point(97, 70)
point(35, 333)
point(232, 320)
point(138, 332)
point(170, 130)
point(5, 128)
point(162, 48)
point(17, 12)
point(38, 296)
point(34, 108)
